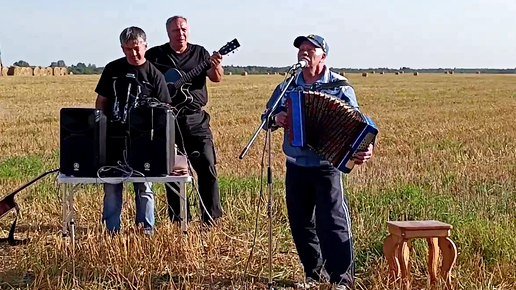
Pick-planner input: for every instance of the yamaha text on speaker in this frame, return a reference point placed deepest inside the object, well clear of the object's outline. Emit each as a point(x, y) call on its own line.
point(82, 141)
point(151, 134)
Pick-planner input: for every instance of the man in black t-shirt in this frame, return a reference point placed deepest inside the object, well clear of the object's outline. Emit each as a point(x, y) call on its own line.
point(125, 82)
point(194, 135)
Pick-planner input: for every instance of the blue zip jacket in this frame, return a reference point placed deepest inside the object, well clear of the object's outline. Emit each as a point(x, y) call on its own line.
point(305, 156)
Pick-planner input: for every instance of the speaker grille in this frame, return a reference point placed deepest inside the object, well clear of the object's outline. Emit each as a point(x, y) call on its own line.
point(151, 134)
point(82, 141)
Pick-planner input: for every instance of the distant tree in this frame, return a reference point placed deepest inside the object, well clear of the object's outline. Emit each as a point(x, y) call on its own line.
point(21, 63)
point(59, 63)
point(82, 69)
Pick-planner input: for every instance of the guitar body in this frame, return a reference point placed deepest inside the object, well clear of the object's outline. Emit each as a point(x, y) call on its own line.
point(179, 83)
point(181, 96)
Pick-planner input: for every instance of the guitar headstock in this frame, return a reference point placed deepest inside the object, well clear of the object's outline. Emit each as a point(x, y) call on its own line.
point(229, 47)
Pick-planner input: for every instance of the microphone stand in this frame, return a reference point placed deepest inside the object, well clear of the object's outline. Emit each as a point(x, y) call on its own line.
point(267, 120)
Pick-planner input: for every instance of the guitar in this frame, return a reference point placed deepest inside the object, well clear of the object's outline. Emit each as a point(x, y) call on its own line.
point(179, 83)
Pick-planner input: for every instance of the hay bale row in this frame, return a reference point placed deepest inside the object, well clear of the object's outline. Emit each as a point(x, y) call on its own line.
point(19, 71)
point(59, 71)
point(44, 71)
point(35, 71)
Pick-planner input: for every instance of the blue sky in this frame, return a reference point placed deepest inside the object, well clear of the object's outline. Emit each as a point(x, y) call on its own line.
point(361, 34)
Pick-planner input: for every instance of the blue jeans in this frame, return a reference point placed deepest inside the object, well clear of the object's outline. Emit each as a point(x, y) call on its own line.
point(144, 198)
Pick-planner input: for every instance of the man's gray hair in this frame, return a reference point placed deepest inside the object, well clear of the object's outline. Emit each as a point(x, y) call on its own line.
point(173, 18)
point(131, 34)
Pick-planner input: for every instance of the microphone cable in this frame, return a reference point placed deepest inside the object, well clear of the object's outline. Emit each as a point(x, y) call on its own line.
point(262, 166)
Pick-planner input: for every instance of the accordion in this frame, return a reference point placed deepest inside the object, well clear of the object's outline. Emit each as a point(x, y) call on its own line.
point(328, 126)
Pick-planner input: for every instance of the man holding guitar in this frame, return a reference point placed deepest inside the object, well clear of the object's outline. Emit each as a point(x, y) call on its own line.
point(186, 66)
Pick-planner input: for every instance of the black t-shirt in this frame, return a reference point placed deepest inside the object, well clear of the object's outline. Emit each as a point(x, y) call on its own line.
point(193, 56)
point(121, 81)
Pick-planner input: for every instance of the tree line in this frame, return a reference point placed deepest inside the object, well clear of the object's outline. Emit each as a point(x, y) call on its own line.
point(78, 69)
point(82, 68)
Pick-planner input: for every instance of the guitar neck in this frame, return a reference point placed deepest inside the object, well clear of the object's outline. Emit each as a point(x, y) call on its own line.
point(191, 74)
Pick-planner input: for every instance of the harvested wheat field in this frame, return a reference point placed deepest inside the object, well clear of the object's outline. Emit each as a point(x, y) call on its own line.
point(446, 151)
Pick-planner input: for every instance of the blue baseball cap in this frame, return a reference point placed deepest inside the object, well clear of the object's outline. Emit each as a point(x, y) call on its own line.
point(316, 40)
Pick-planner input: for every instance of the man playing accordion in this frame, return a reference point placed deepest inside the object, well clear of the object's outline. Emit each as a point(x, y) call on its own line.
point(318, 211)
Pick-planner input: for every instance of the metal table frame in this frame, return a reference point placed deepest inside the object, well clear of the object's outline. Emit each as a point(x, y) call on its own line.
point(70, 183)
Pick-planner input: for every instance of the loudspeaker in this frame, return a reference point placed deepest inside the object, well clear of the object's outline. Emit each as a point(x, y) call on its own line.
point(151, 140)
point(82, 141)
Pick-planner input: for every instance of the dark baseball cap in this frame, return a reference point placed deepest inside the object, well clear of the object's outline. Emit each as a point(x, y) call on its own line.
point(316, 40)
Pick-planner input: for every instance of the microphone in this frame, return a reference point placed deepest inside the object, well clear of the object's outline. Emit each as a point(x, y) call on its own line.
point(300, 64)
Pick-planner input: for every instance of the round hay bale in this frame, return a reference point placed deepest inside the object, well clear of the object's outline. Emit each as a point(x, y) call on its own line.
point(401, 72)
point(451, 72)
point(71, 73)
point(382, 72)
point(18, 71)
point(4, 71)
point(373, 72)
point(364, 74)
point(27, 71)
point(36, 71)
point(56, 71)
point(478, 72)
point(46, 71)
point(342, 73)
point(445, 72)
point(396, 73)
point(244, 73)
point(416, 73)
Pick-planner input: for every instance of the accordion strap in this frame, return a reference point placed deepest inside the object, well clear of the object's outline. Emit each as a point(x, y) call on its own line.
point(331, 85)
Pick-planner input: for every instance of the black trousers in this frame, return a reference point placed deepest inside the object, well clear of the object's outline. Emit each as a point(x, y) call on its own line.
point(320, 222)
point(193, 136)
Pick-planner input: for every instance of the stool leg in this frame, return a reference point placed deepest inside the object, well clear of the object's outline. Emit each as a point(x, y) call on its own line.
point(433, 259)
point(403, 256)
point(389, 251)
point(449, 251)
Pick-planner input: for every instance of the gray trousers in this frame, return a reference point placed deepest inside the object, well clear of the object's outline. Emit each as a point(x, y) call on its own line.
point(320, 221)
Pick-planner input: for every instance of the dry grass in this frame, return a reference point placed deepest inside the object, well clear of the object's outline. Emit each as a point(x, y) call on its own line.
point(445, 151)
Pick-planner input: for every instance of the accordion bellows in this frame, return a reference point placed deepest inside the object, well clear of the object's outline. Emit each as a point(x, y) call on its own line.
point(329, 126)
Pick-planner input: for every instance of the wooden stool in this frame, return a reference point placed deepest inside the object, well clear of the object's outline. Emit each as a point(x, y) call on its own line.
point(437, 234)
